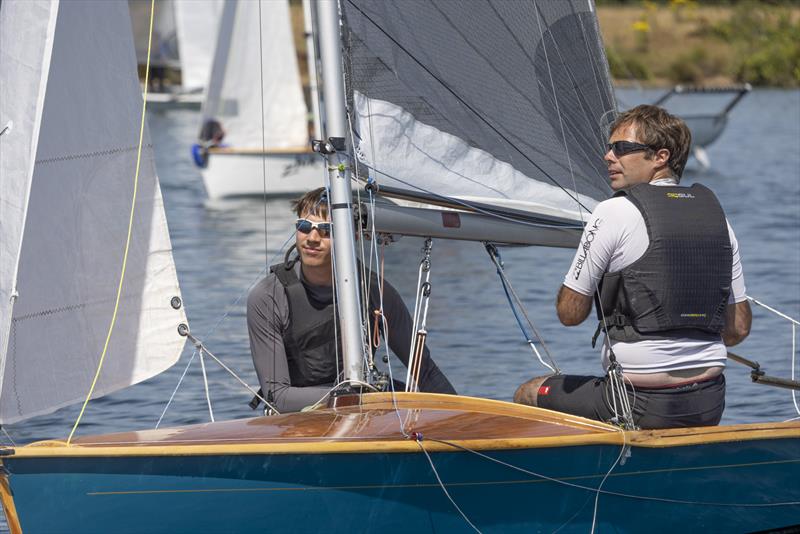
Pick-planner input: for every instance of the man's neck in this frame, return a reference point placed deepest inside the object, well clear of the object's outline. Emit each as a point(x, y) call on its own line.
point(317, 276)
point(663, 174)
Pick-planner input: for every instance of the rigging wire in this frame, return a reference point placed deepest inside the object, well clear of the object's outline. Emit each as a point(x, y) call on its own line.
point(418, 439)
point(201, 349)
point(263, 130)
point(419, 319)
point(614, 372)
point(130, 230)
point(608, 492)
point(205, 383)
point(795, 323)
point(233, 305)
point(464, 102)
point(494, 254)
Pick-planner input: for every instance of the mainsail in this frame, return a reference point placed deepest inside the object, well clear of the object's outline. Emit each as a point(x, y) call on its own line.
point(501, 102)
point(68, 166)
point(238, 86)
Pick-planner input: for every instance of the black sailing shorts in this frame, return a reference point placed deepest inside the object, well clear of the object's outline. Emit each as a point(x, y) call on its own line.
point(693, 404)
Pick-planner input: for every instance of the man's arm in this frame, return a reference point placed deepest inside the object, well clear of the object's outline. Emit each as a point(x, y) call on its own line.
point(267, 317)
point(573, 308)
point(398, 337)
point(738, 318)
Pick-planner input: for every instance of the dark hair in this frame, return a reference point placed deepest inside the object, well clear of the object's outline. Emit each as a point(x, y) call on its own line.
point(659, 129)
point(315, 202)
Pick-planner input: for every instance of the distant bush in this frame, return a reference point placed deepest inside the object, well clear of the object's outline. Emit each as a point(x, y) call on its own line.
point(627, 67)
point(695, 65)
point(767, 42)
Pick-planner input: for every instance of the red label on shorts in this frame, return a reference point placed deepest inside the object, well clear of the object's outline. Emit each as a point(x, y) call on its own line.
point(544, 390)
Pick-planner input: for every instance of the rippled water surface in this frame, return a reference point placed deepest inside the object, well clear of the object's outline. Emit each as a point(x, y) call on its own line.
point(219, 250)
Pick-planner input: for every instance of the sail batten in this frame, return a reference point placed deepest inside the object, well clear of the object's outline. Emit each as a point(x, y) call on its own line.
point(513, 103)
point(71, 247)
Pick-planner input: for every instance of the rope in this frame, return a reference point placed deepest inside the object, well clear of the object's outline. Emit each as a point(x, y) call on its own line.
point(130, 231)
point(773, 310)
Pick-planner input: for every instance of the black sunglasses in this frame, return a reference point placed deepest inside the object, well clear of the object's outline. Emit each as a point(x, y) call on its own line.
point(305, 226)
point(620, 148)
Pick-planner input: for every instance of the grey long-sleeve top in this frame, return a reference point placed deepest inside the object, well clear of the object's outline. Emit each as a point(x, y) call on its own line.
point(268, 320)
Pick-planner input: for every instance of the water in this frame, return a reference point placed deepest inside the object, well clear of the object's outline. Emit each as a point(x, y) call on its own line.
point(219, 250)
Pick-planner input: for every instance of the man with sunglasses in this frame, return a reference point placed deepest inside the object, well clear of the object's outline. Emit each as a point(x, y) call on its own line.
point(662, 264)
point(290, 319)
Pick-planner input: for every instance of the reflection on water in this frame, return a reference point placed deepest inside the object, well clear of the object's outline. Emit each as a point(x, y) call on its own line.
point(222, 249)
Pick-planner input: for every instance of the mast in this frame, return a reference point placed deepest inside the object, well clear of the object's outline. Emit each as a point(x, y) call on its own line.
point(311, 59)
point(344, 251)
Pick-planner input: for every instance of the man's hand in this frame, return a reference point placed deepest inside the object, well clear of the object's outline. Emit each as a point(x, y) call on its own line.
point(738, 318)
point(572, 307)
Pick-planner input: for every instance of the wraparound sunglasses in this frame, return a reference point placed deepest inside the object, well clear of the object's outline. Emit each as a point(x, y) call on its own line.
point(620, 148)
point(305, 226)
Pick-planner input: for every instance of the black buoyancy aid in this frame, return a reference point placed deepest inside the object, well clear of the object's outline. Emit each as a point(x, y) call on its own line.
point(310, 339)
point(681, 284)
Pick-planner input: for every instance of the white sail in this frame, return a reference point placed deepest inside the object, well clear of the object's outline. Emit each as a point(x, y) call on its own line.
point(164, 50)
point(24, 66)
point(71, 250)
point(409, 154)
point(197, 22)
point(236, 93)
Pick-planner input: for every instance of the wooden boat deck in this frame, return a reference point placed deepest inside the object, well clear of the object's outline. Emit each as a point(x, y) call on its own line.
point(374, 425)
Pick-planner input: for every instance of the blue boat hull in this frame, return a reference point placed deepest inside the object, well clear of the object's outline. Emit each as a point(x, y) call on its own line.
point(720, 487)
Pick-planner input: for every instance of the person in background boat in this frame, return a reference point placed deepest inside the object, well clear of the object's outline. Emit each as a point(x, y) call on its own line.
point(663, 264)
point(290, 319)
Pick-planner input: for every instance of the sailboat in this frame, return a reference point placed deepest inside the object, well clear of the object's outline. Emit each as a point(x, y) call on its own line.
point(388, 461)
point(706, 126)
point(261, 111)
point(185, 34)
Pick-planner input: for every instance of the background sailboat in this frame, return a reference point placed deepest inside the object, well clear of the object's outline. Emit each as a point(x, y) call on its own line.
point(184, 36)
point(395, 462)
point(262, 111)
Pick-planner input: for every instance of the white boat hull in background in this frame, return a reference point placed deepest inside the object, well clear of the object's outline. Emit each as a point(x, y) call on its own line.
point(240, 174)
point(162, 101)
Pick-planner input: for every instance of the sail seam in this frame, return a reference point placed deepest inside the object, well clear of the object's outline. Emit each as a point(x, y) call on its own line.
point(61, 309)
point(109, 152)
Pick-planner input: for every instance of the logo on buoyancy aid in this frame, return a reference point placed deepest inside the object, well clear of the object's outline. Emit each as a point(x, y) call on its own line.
point(680, 195)
point(693, 315)
point(585, 246)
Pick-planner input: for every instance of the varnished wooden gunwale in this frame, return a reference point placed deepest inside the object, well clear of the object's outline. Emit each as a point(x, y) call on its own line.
point(10, 509)
point(372, 426)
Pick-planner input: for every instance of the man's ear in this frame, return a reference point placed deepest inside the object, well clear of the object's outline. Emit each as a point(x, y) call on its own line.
point(662, 156)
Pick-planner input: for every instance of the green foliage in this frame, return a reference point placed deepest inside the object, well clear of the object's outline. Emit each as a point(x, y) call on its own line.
point(627, 67)
point(767, 44)
point(695, 65)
